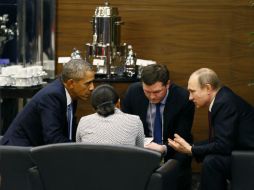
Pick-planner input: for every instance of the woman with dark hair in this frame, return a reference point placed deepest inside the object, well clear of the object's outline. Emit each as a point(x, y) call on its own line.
point(109, 125)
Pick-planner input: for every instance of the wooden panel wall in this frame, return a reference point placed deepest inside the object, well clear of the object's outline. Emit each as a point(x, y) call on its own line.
point(185, 35)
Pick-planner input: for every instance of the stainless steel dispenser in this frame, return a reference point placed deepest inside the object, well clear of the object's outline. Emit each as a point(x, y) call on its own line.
point(106, 52)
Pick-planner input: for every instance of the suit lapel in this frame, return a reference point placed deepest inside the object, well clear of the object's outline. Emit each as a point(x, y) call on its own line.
point(143, 114)
point(168, 113)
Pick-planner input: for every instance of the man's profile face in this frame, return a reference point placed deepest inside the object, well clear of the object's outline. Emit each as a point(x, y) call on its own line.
point(82, 88)
point(155, 92)
point(197, 94)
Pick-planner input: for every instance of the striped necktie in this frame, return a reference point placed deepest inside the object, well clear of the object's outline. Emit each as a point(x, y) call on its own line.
point(69, 119)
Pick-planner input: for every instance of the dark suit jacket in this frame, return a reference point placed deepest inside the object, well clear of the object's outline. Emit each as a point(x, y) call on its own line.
point(42, 121)
point(232, 122)
point(178, 114)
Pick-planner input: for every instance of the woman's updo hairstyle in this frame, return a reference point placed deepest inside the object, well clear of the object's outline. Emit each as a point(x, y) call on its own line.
point(103, 99)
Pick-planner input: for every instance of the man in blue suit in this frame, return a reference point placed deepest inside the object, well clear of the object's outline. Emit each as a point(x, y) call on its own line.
point(176, 112)
point(44, 119)
point(231, 128)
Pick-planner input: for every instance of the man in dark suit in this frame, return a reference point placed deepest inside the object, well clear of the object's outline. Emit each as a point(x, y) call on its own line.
point(44, 119)
point(176, 111)
point(232, 127)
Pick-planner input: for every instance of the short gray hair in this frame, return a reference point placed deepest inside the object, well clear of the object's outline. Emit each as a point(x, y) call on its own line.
point(207, 76)
point(75, 69)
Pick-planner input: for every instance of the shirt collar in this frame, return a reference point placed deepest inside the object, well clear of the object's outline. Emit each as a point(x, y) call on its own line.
point(165, 98)
point(211, 104)
point(68, 97)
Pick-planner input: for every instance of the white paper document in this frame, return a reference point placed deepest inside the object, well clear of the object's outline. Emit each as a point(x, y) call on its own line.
point(148, 140)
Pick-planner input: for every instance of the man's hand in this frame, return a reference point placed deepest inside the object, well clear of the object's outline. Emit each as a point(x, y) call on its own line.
point(179, 144)
point(156, 147)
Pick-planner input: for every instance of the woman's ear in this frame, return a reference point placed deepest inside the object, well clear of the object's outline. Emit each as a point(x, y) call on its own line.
point(118, 104)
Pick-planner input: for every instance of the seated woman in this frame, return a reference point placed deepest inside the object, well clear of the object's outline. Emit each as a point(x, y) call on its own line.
point(109, 125)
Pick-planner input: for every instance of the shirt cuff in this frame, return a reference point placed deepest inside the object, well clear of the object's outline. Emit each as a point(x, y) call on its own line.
point(165, 150)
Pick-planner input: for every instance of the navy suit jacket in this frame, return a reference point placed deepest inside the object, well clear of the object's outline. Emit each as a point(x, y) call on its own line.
point(232, 121)
point(177, 117)
point(43, 119)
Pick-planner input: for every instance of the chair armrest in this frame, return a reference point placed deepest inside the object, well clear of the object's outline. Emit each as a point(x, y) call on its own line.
point(165, 177)
point(34, 179)
point(242, 170)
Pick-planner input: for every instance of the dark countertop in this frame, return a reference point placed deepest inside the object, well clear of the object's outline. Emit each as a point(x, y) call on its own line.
point(116, 79)
point(28, 92)
point(19, 92)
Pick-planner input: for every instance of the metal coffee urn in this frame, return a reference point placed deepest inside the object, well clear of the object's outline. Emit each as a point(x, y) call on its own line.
point(109, 57)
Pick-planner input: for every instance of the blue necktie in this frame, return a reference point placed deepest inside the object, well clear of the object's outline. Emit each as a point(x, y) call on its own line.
point(157, 131)
point(69, 119)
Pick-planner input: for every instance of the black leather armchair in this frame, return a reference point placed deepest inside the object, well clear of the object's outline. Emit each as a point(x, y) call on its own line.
point(14, 164)
point(102, 167)
point(242, 170)
point(165, 177)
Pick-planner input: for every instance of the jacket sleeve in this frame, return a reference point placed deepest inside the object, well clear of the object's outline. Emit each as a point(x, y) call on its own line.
point(140, 136)
point(126, 103)
point(53, 118)
point(224, 123)
point(182, 126)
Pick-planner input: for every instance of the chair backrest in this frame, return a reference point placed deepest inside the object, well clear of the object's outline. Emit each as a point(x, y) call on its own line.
point(94, 167)
point(242, 170)
point(14, 164)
